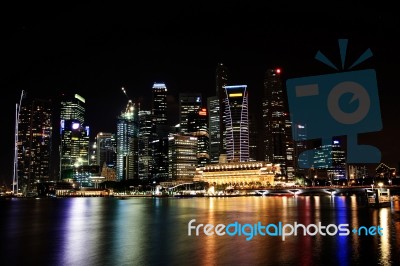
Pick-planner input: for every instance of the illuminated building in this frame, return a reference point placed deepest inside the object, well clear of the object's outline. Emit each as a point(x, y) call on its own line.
point(253, 139)
point(214, 127)
point(236, 123)
point(198, 127)
point(34, 143)
point(159, 140)
point(159, 109)
point(127, 143)
point(331, 158)
point(278, 139)
point(145, 154)
point(238, 174)
point(74, 148)
point(93, 153)
point(106, 147)
point(182, 157)
point(221, 82)
point(73, 108)
point(300, 146)
point(188, 103)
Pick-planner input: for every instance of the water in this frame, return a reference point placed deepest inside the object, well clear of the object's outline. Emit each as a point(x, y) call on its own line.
point(154, 231)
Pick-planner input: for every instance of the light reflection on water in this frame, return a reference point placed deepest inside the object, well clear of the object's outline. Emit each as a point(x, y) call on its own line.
point(150, 231)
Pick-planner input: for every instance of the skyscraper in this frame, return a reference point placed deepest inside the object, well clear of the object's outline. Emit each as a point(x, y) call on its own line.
point(73, 108)
point(236, 123)
point(159, 143)
point(198, 127)
point(182, 157)
point(188, 103)
point(74, 148)
point(34, 145)
point(253, 139)
point(214, 127)
point(221, 82)
point(127, 143)
point(159, 109)
point(277, 138)
point(106, 153)
point(145, 138)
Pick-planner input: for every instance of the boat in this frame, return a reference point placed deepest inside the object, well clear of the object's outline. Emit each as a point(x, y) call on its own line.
point(378, 197)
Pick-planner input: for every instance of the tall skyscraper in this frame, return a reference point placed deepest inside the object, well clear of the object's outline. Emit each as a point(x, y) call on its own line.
point(236, 123)
point(198, 127)
point(221, 82)
point(106, 153)
point(159, 109)
point(277, 138)
point(253, 139)
point(34, 143)
point(159, 143)
point(214, 127)
point(74, 148)
point(188, 103)
point(145, 138)
point(127, 143)
point(300, 146)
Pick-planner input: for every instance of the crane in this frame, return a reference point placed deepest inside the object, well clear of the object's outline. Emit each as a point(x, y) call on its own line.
point(124, 92)
point(135, 101)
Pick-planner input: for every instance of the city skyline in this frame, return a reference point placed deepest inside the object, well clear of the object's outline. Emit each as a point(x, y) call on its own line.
point(97, 69)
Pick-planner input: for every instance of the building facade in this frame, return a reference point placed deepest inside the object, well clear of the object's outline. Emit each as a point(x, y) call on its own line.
point(127, 143)
point(34, 143)
point(214, 127)
point(189, 103)
point(182, 157)
point(278, 141)
point(159, 140)
point(145, 138)
point(239, 174)
point(236, 123)
point(74, 147)
point(221, 80)
point(198, 127)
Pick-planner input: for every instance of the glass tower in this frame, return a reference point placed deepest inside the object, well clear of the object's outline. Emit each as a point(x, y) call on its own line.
point(74, 148)
point(277, 139)
point(188, 103)
point(236, 123)
point(221, 82)
point(34, 143)
point(127, 143)
point(213, 127)
point(159, 143)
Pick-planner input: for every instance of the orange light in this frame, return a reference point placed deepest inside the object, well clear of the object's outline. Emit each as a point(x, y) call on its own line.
point(203, 111)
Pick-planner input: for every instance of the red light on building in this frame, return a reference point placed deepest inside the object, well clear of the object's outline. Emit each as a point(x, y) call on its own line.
point(278, 70)
point(203, 111)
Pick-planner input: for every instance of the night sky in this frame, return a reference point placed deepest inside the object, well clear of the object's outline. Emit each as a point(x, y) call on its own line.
point(95, 49)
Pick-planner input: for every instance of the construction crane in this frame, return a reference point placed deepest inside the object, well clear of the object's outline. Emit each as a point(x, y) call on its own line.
point(135, 101)
point(124, 91)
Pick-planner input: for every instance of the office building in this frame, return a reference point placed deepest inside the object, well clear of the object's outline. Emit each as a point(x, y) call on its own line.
point(236, 123)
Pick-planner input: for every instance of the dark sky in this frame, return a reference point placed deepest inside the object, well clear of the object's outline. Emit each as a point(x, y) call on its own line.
point(96, 48)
